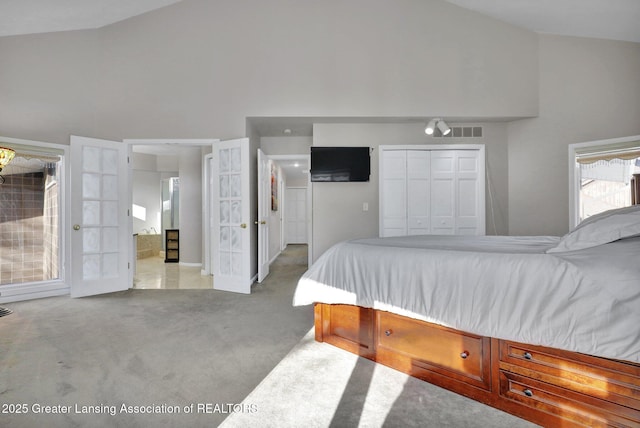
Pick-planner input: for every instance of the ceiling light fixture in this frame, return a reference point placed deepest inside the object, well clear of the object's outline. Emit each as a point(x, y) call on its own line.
point(6, 155)
point(437, 122)
point(431, 126)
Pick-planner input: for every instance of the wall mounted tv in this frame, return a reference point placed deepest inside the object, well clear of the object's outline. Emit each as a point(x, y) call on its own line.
point(340, 164)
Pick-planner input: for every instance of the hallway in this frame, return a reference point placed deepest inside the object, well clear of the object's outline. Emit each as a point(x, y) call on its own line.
point(154, 273)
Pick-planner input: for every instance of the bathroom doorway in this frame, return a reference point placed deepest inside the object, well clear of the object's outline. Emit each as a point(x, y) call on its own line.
point(159, 180)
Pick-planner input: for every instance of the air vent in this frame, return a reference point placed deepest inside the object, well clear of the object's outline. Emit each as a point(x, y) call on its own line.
point(460, 132)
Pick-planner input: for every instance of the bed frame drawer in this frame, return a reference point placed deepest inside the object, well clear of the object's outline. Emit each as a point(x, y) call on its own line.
point(609, 380)
point(425, 346)
point(348, 327)
point(575, 408)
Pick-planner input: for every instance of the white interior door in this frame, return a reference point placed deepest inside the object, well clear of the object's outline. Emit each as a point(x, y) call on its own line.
point(264, 209)
point(100, 239)
point(296, 215)
point(231, 214)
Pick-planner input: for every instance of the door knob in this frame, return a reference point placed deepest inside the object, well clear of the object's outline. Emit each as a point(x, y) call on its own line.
point(263, 222)
point(243, 225)
point(76, 227)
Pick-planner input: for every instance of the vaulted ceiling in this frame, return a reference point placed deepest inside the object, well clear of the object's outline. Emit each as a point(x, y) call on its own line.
point(606, 19)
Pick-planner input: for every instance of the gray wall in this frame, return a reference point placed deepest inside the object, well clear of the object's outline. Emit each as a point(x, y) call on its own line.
point(198, 68)
point(589, 90)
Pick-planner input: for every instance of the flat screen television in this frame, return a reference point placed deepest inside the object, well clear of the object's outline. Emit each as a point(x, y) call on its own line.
point(340, 164)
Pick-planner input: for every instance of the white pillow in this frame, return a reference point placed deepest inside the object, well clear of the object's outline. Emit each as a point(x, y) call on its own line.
point(601, 229)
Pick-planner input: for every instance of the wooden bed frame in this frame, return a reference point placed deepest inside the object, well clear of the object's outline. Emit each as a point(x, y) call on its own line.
point(550, 387)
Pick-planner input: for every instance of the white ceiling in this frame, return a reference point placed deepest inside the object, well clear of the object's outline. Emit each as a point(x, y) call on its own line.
point(44, 16)
point(606, 19)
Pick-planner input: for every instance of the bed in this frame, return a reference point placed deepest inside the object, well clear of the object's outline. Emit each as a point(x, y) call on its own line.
point(546, 328)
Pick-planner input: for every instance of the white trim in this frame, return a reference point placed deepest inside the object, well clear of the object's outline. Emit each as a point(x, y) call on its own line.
point(62, 285)
point(273, 259)
point(185, 264)
point(574, 171)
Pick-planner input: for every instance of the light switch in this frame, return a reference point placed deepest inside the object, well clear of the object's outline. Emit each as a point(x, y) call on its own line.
point(365, 206)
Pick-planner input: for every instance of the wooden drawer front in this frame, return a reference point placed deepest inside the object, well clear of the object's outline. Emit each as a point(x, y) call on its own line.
point(350, 327)
point(434, 345)
point(571, 406)
point(609, 380)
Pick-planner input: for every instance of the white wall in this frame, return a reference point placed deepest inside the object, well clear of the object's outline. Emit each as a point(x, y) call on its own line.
point(146, 191)
point(589, 90)
point(190, 173)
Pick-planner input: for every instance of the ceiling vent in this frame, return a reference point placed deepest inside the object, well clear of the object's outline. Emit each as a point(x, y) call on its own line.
point(460, 132)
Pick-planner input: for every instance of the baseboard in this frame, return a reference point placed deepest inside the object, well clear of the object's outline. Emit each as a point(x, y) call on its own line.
point(190, 264)
point(273, 259)
point(19, 293)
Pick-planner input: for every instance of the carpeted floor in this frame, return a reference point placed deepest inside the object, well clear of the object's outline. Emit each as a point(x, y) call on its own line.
point(191, 358)
point(318, 385)
point(146, 348)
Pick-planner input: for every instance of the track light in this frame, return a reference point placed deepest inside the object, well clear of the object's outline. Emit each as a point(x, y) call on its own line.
point(431, 126)
point(442, 126)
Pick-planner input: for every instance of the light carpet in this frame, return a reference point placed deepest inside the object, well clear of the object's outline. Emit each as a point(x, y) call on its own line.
point(318, 385)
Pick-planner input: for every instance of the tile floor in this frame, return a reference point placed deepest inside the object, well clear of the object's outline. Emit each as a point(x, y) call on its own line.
point(154, 273)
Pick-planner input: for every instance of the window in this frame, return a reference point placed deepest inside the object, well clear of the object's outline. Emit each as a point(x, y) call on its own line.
point(31, 216)
point(603, 176)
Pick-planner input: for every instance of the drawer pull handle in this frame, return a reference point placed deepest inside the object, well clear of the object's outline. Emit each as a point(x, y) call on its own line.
point(388, 332)
point(527, 356)
point(528, 393)
point(464, 355)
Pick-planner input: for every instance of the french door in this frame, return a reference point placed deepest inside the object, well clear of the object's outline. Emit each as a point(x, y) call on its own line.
point(231, 213)
point(99, 216)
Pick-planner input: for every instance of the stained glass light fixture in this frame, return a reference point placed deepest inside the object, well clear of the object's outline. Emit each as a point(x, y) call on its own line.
point(6, 155)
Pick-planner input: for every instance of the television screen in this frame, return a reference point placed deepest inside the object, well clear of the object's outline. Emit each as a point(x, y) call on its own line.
point(340, 164)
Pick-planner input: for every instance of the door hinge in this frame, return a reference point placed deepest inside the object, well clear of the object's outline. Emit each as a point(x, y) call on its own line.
point(128, 212)
point(128, 265)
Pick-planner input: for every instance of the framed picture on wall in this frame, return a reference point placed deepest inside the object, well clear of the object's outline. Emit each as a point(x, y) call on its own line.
point(274, 187)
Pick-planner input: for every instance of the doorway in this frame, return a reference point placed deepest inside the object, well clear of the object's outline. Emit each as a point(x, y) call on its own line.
point(294, 205)
point(166, 194)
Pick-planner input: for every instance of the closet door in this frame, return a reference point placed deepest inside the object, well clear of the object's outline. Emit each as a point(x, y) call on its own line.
point(418, 192)
point(443, 192)
point(393, 189)
point(432, 190)
point(469, 182)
